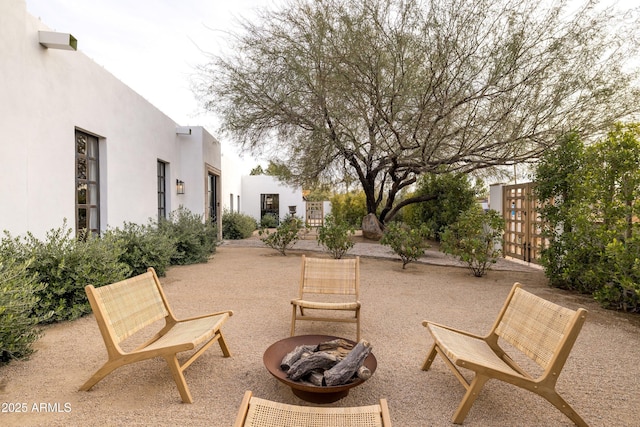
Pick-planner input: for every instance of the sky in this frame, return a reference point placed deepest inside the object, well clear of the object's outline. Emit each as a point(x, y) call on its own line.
point(153, 46)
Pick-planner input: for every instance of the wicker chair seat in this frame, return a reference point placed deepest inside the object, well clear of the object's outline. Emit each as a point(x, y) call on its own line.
point(256, 412)
point(326, 305)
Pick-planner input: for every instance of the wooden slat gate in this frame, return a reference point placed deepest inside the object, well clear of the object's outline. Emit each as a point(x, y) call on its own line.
point(314, 214)
point(522, 237)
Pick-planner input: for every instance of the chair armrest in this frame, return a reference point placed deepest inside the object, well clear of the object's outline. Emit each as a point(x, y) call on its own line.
point(426, 324)
point(229, 312)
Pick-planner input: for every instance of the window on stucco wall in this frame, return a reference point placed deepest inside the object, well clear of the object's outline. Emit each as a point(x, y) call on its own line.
point(87, 187)
point(162, 190)
point(270, 205)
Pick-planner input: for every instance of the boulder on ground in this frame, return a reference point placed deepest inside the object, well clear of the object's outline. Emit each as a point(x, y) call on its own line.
point(371, 227)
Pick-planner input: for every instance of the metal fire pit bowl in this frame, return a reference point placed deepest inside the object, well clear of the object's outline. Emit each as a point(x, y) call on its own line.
point(308, 392)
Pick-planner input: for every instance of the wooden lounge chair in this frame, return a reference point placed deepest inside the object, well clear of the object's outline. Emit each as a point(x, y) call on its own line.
point(256, 412)
point(125, 308)
point(320, 281)
point(541, 330)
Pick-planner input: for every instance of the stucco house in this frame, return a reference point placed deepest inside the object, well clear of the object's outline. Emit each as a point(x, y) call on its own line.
point(78, 144)
point(264, 194)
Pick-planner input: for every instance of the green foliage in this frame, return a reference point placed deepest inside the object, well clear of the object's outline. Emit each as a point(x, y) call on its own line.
point(475, 239)
point(453, 194)
point(285, 236)
point(257, 171)
point(406, 242)
point(66, 265)
point(278, 169)
point(349, 208)
point(236, 225)
point(558, 182)
point(269, 221)
point(590, 215)
point(18, 300)
point(622, 290)
point(194, 239)
point(334, 236)
point(319, 193)
point(144, 246)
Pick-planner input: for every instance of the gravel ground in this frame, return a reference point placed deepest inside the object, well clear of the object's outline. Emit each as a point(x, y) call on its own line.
point(600, 380)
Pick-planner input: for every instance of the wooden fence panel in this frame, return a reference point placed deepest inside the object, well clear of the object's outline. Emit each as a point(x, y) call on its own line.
point(522, 237)
point(314, 214)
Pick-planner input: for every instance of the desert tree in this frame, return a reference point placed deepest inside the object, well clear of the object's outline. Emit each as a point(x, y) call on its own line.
point(386, 90)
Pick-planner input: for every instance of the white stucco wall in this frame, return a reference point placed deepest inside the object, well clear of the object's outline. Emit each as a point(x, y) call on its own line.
point(199, 145)
point(232, 182)
point(255, 185)
point(495, 197)
point(45, 95)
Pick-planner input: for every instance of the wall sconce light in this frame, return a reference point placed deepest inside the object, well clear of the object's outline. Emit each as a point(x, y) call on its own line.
point(55, 40)
point(179, 186)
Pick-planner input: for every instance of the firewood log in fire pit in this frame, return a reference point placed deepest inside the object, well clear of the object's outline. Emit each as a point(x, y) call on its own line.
point(297, 353)
point(344, 370)
point(329, 363)
point(317, 360)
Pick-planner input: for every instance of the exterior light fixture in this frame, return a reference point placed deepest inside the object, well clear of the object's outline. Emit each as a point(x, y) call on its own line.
point(179, 186)
point(55, 40)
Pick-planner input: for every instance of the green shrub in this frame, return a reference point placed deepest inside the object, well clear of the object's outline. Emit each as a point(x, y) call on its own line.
point(408, 243)
point(18, 300)
point(453, 193)
point(620, 289)
point(589, 214)
point(475, 239)
point(334, 236)
point(236, 225)
point(269, 221)
point(284, 236)
point(349, 208)
point(66, 264)
point(194, 239)
point(144, 246)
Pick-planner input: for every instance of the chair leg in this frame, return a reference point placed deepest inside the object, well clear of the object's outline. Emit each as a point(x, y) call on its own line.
point(105, 370)
point(556, 400)
point(223, 345)
point(358, 325)
point(430, 357)
point(469, 398)
point(178, 377)
point(293, 321)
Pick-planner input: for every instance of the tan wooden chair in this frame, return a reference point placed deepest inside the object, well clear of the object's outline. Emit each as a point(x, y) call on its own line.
point(538, 329)
point(325, 285)
point(256, 412)
point(124, 308)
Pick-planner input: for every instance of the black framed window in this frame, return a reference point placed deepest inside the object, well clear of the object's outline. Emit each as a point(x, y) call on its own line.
point(270, 205)
point(162, 190)
point(212, 197)
point(87, 183)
